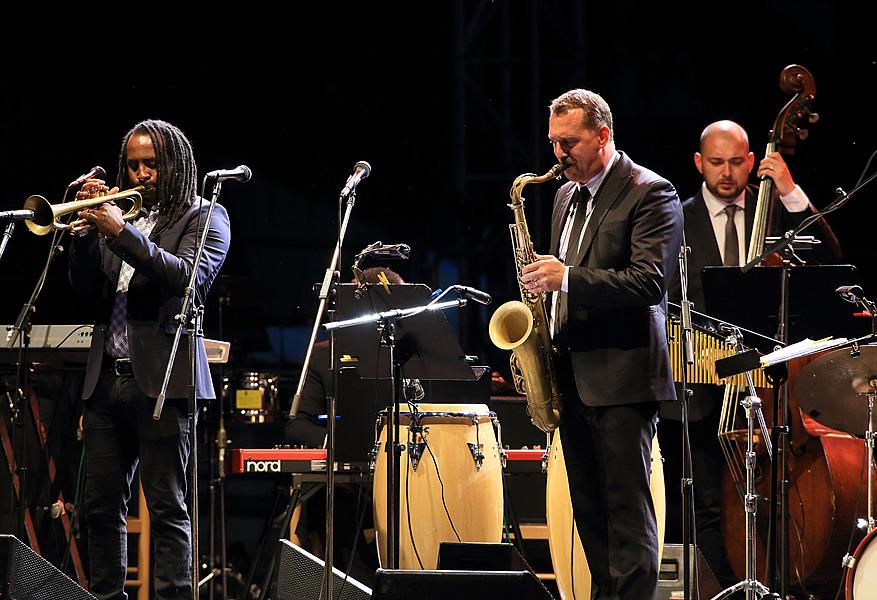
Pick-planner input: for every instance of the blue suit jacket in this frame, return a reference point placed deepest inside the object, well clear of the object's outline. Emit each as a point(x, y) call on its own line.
point(163, 264)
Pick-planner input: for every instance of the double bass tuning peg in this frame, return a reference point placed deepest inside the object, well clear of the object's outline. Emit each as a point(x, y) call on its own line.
point(812, 116)
point(802, 133)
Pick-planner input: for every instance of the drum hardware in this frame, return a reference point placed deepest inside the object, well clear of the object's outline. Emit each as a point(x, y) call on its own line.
point(475, 449)
point(415, 451)
point(863, 561)
point(477, 455)
point(751, 587)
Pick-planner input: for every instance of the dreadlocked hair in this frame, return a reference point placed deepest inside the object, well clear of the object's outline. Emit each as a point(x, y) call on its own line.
point(177, 173)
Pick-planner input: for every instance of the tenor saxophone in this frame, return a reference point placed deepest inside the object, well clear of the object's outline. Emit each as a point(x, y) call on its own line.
point(522, 326)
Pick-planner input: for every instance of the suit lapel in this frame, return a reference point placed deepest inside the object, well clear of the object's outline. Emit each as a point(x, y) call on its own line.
point(610, 191)
point(701, 233)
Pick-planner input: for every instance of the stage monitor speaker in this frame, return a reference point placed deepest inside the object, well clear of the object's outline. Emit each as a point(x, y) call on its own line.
point(480, 556)
point(25, 575)
point(300, 577)
point(459, 585)
point(670, 573)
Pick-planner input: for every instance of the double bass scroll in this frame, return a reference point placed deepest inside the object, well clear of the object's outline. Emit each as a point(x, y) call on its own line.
point(784, 135)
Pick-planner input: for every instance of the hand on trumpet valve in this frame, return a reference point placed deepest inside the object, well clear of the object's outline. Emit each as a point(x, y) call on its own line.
point(94, 188)
point(105, 218)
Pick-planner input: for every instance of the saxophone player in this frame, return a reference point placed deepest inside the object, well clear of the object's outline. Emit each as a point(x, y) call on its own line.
point(615, 237)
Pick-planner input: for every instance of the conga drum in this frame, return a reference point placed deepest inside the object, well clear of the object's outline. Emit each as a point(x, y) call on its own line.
point(450, 482)
point(567, 555)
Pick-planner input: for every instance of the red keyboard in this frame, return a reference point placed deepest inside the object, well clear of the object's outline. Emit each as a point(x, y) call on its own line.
point(276, 460)
point(309, 460)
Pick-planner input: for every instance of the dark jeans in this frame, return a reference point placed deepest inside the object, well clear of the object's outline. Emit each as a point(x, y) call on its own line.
point(120, 431)
point(607, 450)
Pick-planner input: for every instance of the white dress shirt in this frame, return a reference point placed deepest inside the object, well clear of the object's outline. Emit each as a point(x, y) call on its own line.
point(795, 201)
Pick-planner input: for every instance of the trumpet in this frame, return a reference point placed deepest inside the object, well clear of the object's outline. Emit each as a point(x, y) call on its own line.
point(46, 215)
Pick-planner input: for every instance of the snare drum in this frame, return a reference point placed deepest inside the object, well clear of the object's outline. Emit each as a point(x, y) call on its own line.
point(861, 583)
point(254, 398)
point(450, 480)
point(572, 576)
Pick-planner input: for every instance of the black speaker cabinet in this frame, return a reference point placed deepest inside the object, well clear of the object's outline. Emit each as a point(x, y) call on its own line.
point(300, 577)
point(670, 574)
point(459, 585)
point(480, 556)
point(25, 575)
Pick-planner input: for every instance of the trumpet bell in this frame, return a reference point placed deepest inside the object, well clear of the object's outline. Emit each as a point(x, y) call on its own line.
point(43, 215)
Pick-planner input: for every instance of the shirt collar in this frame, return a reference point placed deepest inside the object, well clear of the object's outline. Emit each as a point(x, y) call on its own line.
point(594, 183)
point(716, 206)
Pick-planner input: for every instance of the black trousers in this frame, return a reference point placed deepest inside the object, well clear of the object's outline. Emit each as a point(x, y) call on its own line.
point(607, 451)
point(119, 433)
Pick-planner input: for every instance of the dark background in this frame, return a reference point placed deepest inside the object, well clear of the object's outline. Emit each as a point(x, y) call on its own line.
point(446, 101)
point(448, 107)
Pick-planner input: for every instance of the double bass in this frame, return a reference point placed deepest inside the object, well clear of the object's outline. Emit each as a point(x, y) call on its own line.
point(788, 128)
point(824, 467)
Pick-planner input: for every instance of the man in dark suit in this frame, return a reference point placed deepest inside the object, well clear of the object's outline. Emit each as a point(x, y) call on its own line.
point(718, 226)
point(616, 233)
point(725, 162)
point(136, 274)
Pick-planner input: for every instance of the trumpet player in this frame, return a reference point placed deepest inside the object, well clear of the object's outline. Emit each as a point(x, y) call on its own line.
point(615, 235)
point(135, 274)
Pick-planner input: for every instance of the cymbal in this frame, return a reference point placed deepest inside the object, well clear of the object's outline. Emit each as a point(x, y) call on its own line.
point(831, 388)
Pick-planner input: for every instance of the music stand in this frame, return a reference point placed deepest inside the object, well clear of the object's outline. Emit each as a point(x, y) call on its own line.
point(419, 340)
point(815, 310)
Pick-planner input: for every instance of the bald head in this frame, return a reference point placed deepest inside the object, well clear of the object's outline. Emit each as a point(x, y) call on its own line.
point(724, 159)
point(726, 129)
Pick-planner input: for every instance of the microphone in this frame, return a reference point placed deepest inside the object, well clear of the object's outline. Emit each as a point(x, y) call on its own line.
point(16, 215)
point(96, 172)
point(361, 170)
point(392, 251)
point(473, 294)
point(851, 293)
point(240, 173)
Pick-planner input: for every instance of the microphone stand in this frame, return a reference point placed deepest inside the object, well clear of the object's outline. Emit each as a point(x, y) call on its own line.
point(217, 483)
point(330, 278)
point(687, 482)
point(7, 235)
point(781, 428)
point(193, 324)
point(386, 323)
point(20, 334)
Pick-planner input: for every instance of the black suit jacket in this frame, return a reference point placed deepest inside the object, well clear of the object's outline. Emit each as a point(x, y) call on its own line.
point(617, 299)
point(701, 238)
point(162, 264)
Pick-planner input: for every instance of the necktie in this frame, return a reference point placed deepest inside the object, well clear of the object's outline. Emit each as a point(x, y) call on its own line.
point(570, 251)
point(578, 223)
point(116, 344)
point(732, 248)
